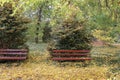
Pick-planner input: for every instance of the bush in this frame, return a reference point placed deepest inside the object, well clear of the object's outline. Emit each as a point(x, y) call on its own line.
point(72, 34)
point(12, 29)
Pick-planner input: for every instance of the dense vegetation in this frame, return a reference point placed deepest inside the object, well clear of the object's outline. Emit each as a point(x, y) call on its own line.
point(72, 34)
point(101, 15)
point(12, 29)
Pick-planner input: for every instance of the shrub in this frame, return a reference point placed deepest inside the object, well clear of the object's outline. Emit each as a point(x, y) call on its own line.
point(12, 29)
point(72, 34)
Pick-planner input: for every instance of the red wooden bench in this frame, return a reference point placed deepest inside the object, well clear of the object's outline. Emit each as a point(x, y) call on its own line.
point(13, 54)
point(70, 55)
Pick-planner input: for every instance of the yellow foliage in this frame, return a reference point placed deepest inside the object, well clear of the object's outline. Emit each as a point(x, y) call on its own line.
point(102, 35)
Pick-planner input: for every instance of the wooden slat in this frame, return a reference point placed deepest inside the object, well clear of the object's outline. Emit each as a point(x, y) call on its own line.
point(13, 50)
point(14, 53)
point(71, 51)
point(12, 58)
point(69, 59)
point(69, 55)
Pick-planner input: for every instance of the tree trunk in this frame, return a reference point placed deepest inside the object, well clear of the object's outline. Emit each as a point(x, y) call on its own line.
point(100, 6)
point(38, 23)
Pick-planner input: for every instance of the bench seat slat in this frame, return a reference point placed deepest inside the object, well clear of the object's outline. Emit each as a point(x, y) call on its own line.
point(14, 50)
point(12, 58)
point(69, 59)
point(70, 55)
point(71, 51)
point(13, 53)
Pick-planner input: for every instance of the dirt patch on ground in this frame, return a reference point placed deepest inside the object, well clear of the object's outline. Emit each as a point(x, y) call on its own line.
point(102, 43)
point(98, 43)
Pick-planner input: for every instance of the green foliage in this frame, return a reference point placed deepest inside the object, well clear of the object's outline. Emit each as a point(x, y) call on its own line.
point(103, 35)
point(12, 29)
point(103, 15)
point(72, 33)
point(46, 34)
point(100, 14)
point(78, 39)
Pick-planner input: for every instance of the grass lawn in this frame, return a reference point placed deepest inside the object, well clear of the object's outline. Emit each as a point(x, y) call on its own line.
point(104, 66)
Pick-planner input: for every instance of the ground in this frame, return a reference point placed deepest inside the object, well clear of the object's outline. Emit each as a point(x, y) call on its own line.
point(104, 66)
